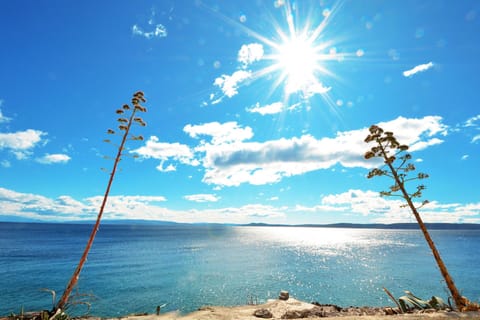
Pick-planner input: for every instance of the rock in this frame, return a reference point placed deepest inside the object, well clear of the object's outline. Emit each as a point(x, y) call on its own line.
point(293, 314)
point(284, 295)
point(389, 311)
point(315, 312)
point(263, 313)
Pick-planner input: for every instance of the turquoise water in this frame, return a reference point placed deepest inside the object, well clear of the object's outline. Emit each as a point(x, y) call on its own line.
point(135, 268)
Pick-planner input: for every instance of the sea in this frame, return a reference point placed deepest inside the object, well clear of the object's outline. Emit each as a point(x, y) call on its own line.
point(133, 269)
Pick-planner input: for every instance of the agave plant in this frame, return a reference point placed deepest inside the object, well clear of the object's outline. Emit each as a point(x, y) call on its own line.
point(398, 169)
point(125, 124)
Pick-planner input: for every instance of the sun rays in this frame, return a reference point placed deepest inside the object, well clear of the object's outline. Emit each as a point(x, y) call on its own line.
point(296, 53)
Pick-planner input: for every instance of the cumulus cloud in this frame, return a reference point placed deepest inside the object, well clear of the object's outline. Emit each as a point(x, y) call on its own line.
point(202, 198)
point(365, 203)
point(54, 158)
point(229, 84)
point(230, 158)
point(273, 108)
point(39, 207)
point(22, 142)
point(66, 208)
point(250, 53)
point(257, 163)
point(389, 210)
point(164, 152)
point(417, 69)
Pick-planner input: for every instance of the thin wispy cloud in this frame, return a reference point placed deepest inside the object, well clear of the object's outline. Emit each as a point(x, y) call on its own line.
point(3, 119)
point(202, 197)
point(473, 121)
point(220, 133)
point(152, 29)
point(273, 108)
point(159, 31)
point(53, 158)
point(417, 69)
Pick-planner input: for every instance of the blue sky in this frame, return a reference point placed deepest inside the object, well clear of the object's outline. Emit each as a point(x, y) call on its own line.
point(257, 110)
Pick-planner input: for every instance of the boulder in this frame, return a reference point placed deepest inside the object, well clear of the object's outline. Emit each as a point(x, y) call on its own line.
point(263, 313)
point(284, 295)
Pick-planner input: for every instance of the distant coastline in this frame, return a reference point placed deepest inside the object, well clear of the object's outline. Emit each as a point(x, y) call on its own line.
point(395, 226)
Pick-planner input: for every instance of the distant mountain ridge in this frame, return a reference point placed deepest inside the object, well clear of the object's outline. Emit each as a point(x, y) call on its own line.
point(404, 226)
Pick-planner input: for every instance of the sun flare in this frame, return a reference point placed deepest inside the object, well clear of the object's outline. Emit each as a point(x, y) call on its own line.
point(298, 61)
point(299, 54)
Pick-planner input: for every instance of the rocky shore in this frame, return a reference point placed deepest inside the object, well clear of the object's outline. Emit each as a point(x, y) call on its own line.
point(289, 308)
point(296, 309)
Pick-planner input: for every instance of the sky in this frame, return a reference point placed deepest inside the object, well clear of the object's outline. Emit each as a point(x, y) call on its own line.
point(257, 111)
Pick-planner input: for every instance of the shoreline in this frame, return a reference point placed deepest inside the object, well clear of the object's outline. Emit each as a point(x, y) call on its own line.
point(289, 308)
point(292, 308)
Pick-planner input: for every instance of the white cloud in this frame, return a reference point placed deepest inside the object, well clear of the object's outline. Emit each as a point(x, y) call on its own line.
point(472, 122)
point(221, 133)
point(3, 119)
point(166, 152)
point(365, 203)
point(54, 158)
point(229, 84)
point(465, 157)
point(5, 164)
point(202, 198)
point(158, 32)
point(231, 163)
point(65, 208)
point(476, 138)
point(389, 210)
point(250, 53)
point(20, 143)
point(273, 108)
point(229, 159)
point(417, 69)
point(313, 88)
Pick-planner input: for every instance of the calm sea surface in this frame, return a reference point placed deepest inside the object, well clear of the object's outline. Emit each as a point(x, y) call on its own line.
point(135, 268)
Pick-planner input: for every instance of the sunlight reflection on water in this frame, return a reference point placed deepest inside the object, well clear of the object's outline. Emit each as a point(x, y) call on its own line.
point(321, 241)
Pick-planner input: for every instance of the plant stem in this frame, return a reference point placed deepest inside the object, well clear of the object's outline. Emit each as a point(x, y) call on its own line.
point(459, 301)
point(74, 279)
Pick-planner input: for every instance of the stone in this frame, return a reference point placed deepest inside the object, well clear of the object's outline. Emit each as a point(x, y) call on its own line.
point(284, 295)
point(263, 313)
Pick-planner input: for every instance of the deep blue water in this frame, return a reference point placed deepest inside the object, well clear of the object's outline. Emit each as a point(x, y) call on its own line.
point(135, 268)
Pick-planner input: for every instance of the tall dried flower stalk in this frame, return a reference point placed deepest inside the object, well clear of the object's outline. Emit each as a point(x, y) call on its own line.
point(396, 159)
point(124, 125)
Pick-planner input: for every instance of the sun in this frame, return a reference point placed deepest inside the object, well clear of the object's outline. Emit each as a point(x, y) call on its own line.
point(298, 62)
point(299, 54)
point(296, 52)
